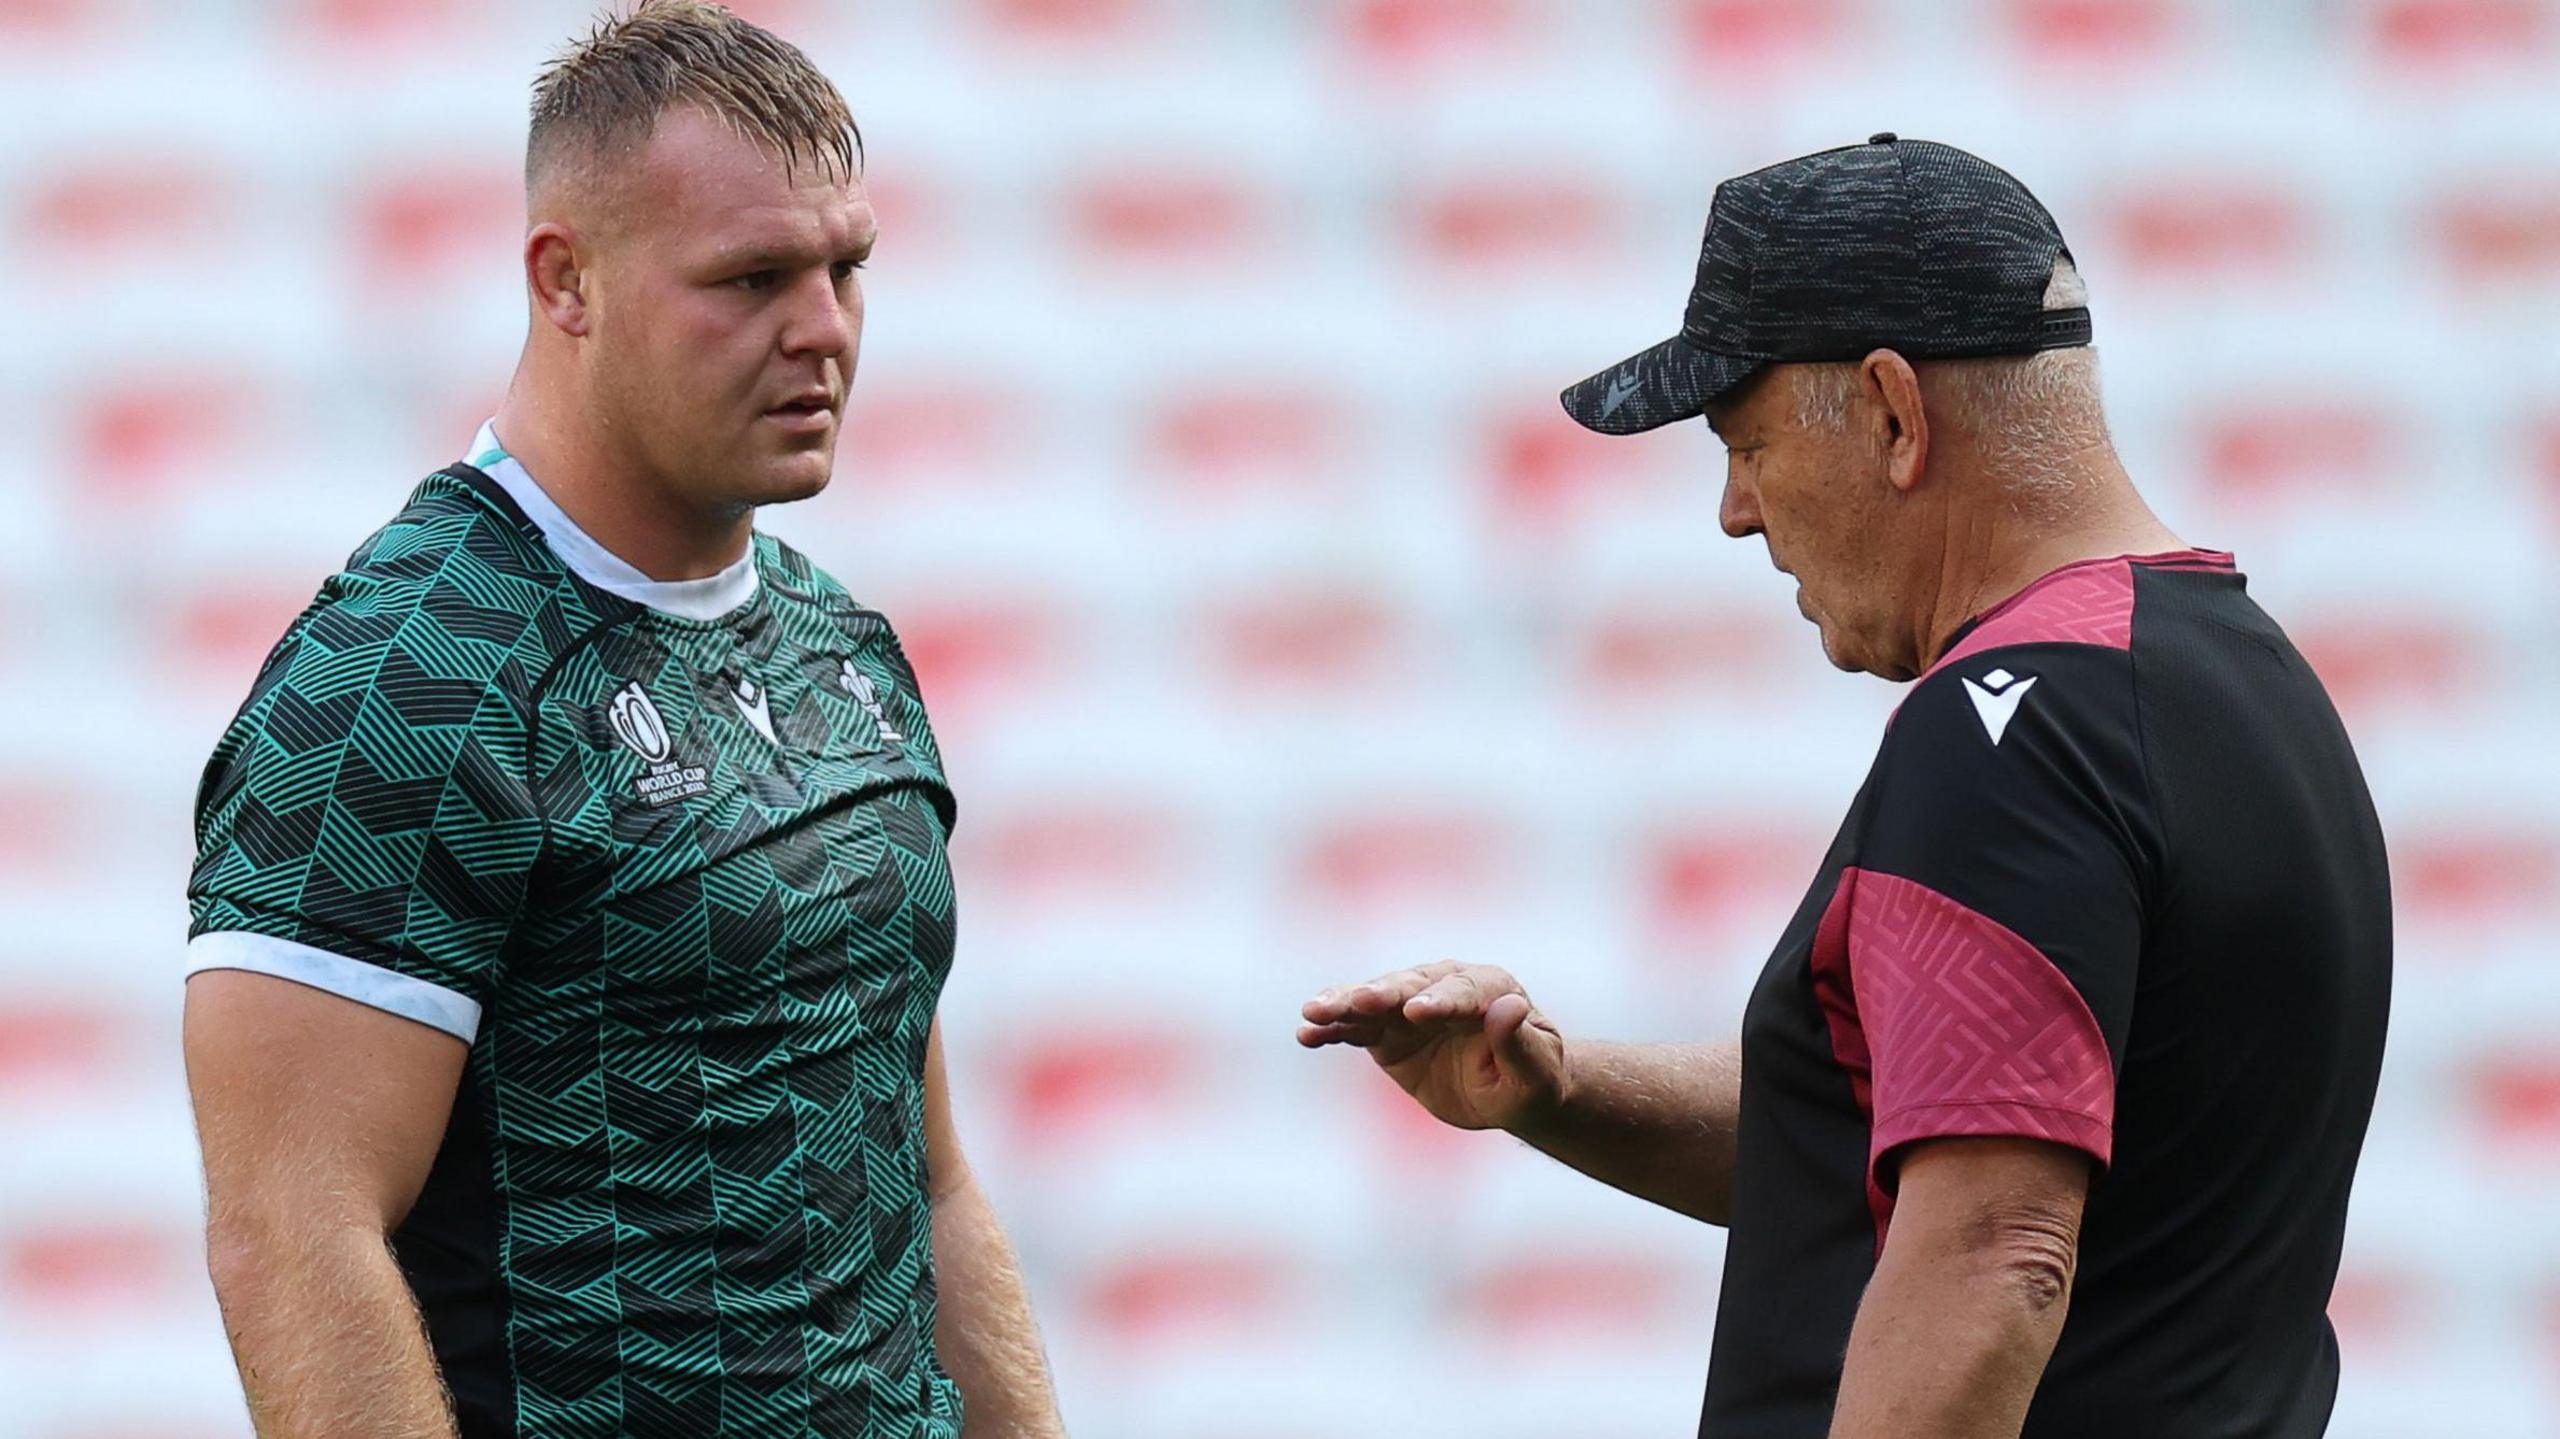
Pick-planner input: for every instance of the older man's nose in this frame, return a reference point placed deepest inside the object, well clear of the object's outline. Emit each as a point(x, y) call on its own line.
point(1739, 511)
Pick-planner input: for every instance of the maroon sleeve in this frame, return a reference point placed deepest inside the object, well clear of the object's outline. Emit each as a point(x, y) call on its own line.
point(1978, 965)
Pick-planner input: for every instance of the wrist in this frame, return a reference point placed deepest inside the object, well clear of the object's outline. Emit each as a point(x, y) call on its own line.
point(1549, 1111)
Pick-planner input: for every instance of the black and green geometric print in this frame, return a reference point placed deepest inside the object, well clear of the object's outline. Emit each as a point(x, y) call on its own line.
point(693, 875)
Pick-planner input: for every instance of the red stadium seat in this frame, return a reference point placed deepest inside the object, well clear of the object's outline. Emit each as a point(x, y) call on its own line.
point(383, 25)
point(1136, 217)
point(2473, 876)
point(2516, 1099)
point(53, 21)
point(2377, 1311)
point(1649, 654)
point(2281, 451)
point(1542, 221)
point(2500, 235)
point(221, 633)
point(1217, 442)
point(1069, 1082)
point(1570, 1294)
point(1099, 853)
point(164, 203)
point(971, 653)
point(2109, 32)
point(1394, 858)
point(1403, 33)
point(2436, 664)
point(1751, 37)
point(94, 1268)
point(52, 1050)
point(1548, 471)
point(924, 432)
point(143, 437)
point(46, 831)
point(426, 223)
point(1707, 889)
point(2432, 33)
point(1052, 20)
point(1202, 1297)
point(2203, 224)
point(1319, 637)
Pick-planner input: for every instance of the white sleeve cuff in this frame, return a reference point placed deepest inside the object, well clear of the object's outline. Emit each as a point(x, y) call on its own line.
point(429, 1004)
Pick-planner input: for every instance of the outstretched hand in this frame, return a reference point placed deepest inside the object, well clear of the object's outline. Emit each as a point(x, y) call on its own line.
point(1463, 1040)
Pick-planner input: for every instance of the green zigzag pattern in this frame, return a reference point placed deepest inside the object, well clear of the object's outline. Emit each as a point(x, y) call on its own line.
point(704, 1023)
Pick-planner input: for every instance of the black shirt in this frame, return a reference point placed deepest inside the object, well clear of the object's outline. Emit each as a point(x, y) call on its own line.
point(2114, 882)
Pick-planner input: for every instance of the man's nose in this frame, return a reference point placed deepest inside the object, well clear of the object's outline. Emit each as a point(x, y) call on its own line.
point(823, 323)
point(1739, 511)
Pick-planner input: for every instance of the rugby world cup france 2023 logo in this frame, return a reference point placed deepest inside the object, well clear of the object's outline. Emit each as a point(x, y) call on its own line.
point(637, 723)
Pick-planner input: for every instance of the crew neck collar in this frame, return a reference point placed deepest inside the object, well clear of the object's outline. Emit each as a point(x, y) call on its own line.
point(707, 598)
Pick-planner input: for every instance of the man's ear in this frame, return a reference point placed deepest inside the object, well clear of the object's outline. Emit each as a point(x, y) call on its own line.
point(555, 272)
point(1902, 421)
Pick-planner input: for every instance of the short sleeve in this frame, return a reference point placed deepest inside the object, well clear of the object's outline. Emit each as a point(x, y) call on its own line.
point(366, 826)
point(1992, 926)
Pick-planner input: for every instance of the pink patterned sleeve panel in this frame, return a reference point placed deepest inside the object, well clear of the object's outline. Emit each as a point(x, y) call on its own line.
point(1977, 1032)
point(1950, 1024)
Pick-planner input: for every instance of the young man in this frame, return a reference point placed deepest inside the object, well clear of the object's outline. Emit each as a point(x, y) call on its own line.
point(2045, 1109)
point(571, 906)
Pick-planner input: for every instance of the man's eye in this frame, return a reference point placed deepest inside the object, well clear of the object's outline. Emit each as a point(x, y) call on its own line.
point(844, 269)
point(755, 280)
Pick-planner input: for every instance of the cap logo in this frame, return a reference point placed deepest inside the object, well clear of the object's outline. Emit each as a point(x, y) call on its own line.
point(1621, 389)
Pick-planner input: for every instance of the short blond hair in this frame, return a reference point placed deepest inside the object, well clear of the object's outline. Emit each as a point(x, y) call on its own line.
point(604, 94)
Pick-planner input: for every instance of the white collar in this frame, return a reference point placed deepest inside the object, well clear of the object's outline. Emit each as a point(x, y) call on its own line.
point(707, 598)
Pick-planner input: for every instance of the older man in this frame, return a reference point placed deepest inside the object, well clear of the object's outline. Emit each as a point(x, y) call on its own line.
point(2044, 1111)
point(571, 909)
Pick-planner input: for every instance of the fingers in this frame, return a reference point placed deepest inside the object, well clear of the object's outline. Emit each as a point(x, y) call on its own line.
point(1374, 998)
point(1463, 995)
point(1359, 1036)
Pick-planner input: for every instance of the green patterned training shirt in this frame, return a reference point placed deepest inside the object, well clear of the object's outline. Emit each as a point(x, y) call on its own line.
point(669, 857)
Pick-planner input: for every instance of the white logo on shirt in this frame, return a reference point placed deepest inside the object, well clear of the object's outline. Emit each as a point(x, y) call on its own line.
point(635, 720)
point(1996, 700)
point(867, 695)
point(637, 723)
point(756, 706)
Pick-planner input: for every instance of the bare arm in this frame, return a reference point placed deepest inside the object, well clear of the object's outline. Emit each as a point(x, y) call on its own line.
point(985, 1332)
point(319, 1119)
point(1657, 1121)
point(1969, 1296)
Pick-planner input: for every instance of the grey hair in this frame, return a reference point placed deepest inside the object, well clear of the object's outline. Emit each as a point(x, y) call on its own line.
point(2029, 414)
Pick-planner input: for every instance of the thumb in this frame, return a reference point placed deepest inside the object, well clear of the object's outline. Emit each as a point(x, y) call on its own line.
point(1527, 1052)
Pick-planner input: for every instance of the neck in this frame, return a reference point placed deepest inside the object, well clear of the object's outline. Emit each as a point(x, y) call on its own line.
point(2001, 547)
point(646, 525)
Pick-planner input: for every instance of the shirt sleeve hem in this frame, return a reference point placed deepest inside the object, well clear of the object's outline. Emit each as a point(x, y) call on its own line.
point(388, 990)
point(1996, 1119)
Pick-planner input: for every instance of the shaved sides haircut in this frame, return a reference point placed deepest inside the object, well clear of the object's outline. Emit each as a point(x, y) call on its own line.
point(603, 95)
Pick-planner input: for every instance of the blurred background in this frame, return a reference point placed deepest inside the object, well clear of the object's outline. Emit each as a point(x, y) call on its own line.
point(1278, 626)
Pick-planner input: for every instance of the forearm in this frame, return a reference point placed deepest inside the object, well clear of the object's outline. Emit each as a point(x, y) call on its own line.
point(326, 1334)
point(988, 1341)
point(1656, 1120)
point(1950, 1348)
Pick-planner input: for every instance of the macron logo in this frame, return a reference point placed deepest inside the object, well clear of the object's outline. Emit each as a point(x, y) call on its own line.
point(1996, 700)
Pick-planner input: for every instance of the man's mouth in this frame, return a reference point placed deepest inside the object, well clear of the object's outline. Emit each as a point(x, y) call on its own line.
point(808, 413)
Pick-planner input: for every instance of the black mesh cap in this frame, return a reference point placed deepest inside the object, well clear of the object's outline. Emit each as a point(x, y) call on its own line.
point(1906, 245)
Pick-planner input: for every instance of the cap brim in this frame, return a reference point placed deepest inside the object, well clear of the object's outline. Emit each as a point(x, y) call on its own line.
point(1674, 380)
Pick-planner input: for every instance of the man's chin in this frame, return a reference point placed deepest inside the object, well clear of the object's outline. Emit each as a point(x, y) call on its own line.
point(784, 478)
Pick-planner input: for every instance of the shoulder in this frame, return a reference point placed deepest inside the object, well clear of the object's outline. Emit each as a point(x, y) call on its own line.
point(455, 590)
